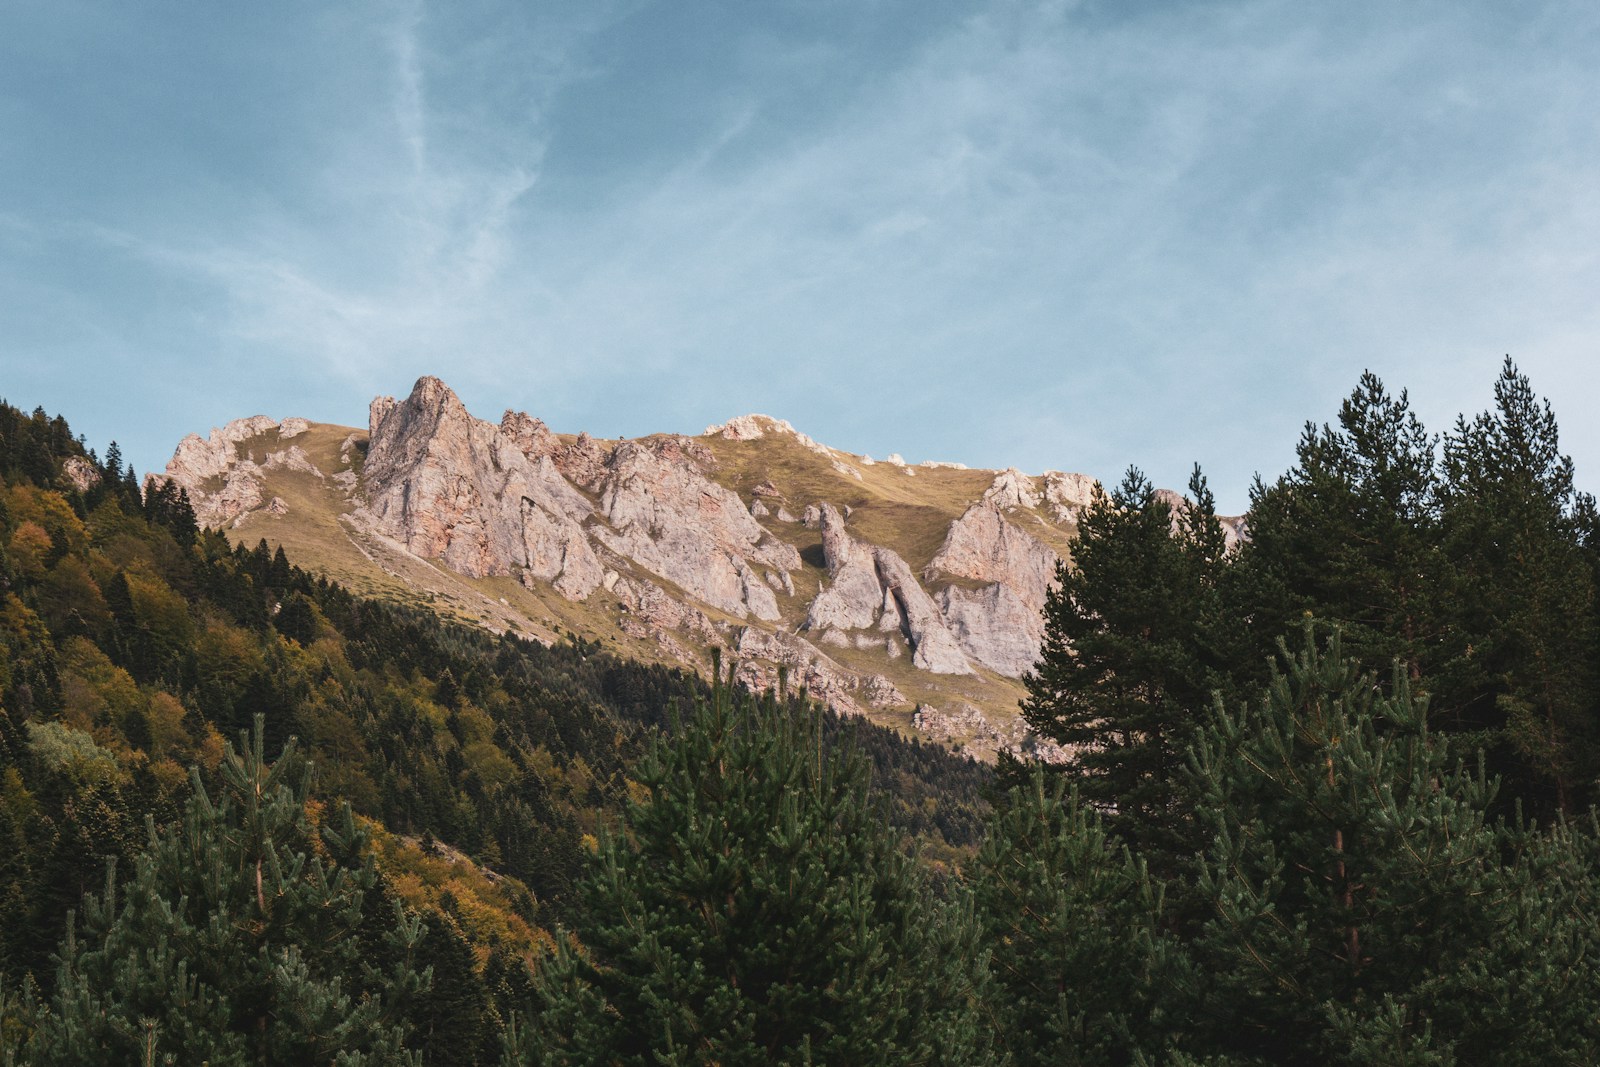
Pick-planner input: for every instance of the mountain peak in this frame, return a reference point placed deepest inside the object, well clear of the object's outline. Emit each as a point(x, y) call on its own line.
point(884, 594)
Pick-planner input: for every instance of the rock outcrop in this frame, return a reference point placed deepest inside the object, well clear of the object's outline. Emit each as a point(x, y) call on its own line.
point(1012, 489)
point(667, 516)
point(199, 459)
point(762, 652)
point(737, 538)
point(82, 474)
point(1001, 623)
point(495, 500)
point(225, 483)
point(754, 427)
point(984, 546)
point(970, 727)
point(1068, 495)
point(871, 586)
point(455, 488)
point(994, 626)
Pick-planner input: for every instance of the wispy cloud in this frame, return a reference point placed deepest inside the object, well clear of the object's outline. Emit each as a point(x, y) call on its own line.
point(1056, 235)
point(408, 103)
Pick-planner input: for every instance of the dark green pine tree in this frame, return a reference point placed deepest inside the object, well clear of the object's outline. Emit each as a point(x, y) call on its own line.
point(111, 472)
point(758, 912)
point(130, 487)
point(1351, 534)
point(297, 618)
point(1065, 914)
point(1363, 908)
point(167, 504)
point(1135, 644)
point(238, 941)
point(1524, 597)
point(452, 1022)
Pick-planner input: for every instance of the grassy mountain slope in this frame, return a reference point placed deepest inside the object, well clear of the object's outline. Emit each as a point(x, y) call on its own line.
point(906, 509)
point(132, 644)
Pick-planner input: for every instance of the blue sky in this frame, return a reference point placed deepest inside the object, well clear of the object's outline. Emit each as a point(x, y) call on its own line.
point(1049, 234)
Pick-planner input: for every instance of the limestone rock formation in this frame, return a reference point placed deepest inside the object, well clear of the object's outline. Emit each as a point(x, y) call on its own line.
point(676, 545)
point(1012, 489)
point(198, 459)
point(852, 599)
point(670, 518)
point(455, 488)
point(1068, 495)
point(761, 652)
point(531, 436)
point(933, 647)
point(742, 428)
point(1001, 624)
point(994, 626)
point(660, 613)
point(224, 485)
point(984, 546)
point(971, 727)
point(489, 500)
point(871, 585)
point(754, 427)
point(584, 462)
point(81, 473)
point(292, 458)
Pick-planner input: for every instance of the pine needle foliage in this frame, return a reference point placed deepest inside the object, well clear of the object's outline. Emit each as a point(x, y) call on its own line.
point(244, 937)
point(1514, 528)
point(757, 912)
point(1351, 533)
point(1066, 914)
point(1135, 643)
point(1364, 908)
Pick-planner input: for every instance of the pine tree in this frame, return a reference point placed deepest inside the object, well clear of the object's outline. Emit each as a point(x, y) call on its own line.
point(1065, 914)
point(111, 473)
point(1351, 534)
point(1525, 598)
point(1363, 907)
point(237, 941)
point(757, 912)
point(452, 1024)
point(1135, 643)
point(17, 1009)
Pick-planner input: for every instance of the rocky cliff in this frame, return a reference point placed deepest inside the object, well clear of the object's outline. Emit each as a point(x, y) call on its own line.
point(909, 593)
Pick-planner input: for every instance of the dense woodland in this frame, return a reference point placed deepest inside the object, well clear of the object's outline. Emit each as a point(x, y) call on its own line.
point(1330, 800)
point(134, 652)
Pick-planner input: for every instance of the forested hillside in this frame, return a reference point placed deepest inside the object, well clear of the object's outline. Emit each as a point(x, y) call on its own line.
point(1330, 799)
point(480, 770)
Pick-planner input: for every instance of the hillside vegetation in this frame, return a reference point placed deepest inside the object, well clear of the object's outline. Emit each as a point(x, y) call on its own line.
point(1329, 798)
point(479, 769)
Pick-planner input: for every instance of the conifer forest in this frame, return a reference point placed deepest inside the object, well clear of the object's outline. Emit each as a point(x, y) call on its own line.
point(1330, 798)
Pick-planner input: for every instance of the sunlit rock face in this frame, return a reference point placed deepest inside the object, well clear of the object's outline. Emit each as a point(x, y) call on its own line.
point(751, 537)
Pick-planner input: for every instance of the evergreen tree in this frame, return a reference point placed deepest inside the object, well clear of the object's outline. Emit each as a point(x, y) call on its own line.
point(1525, 599)
point(237, 941)
point(1065, 914)
point(452, 1022)
point(296, 619)
point(1363, 908)
point(757, 912)
point(1135, 643)
point(130, 487)
point(1351, 534)
point(111, 473)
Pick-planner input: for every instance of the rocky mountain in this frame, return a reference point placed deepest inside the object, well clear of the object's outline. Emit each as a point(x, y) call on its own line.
point(911, 594)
